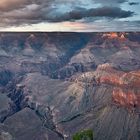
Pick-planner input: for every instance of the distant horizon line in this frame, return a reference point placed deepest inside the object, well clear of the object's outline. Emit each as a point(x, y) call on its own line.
point(67, 31)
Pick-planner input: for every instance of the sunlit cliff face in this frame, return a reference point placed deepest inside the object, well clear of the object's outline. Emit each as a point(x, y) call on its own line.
point(111, 35)
point(126, 98)
point(128, 92)
point(125, 84)
point(122, 36)
point(106, 74)
point(114, 35)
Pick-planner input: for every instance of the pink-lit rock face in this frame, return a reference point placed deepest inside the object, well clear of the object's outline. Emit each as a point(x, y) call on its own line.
point(110, 35)
point(126, 85)
point(131, 79)
point(114, 35)
point(106, 74)
point(126, 98)
point(128, 93)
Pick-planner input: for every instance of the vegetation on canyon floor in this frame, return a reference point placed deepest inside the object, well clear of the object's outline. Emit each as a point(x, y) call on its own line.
point(84, 135)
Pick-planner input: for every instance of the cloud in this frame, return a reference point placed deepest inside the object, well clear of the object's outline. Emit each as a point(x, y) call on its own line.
point(107, 12)
point(133, 3)
point(33, 13)
point(110, 2)
point(28, 12)
point(8, 5)
point(25, 15)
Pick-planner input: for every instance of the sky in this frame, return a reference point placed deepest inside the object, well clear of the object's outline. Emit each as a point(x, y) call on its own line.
point(70, 15)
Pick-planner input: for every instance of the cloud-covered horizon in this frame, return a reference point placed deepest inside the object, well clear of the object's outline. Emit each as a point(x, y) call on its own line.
point(18, 13)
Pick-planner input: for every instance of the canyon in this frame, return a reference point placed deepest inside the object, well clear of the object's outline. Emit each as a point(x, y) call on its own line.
point(53, 85)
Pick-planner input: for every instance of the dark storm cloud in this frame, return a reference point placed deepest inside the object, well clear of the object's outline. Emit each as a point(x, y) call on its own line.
point(133, 3)
point(107, 12)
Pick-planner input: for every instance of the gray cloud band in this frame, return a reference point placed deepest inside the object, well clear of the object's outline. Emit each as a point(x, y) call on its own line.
point(107, 12)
